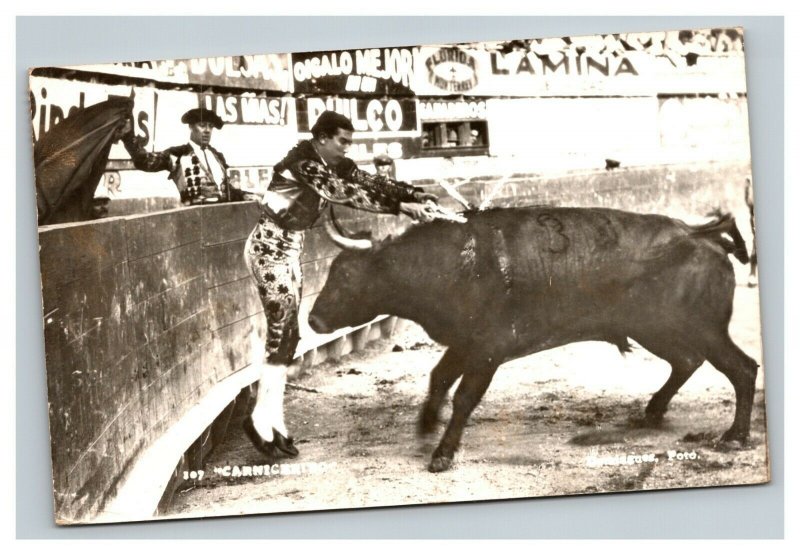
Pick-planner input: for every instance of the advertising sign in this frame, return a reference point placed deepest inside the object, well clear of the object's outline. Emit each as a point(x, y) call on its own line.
point(366, 149)
point(248, 108)
point(378, 117)
point(453, 70)
point(439, 109)
point(261, 71)
point(52, 100)
point(549, 68)
point(252, 179)
point(368, 71)
point(382, 125)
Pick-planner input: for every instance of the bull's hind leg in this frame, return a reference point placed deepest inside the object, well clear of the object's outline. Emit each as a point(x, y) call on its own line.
point(683, 360)
point(443, 376)
point(470, 391)
point(682, 370)
point(741, 370)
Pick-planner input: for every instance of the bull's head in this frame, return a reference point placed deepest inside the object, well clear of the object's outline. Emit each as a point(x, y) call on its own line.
point(352, 290)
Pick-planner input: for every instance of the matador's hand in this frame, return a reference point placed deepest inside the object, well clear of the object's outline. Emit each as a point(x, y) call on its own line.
point(422, 196)
point(429, 211)
point(123, 131)
point(417, 211)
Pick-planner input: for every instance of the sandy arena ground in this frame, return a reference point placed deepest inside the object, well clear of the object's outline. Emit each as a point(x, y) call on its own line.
point(542, 427)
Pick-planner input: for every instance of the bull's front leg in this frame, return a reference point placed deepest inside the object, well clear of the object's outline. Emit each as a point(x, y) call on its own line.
point(470, 391)
point(443, 376)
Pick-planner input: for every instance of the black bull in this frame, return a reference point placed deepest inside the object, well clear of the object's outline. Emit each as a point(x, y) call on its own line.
point(512, 282)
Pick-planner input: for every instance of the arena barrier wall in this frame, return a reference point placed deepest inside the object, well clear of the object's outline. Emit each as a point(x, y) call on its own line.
point(154, 330)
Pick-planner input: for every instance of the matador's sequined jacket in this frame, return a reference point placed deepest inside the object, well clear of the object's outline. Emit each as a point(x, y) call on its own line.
point(303, 184)
point(190, 175)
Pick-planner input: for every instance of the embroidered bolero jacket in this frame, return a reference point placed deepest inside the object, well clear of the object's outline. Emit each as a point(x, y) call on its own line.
point(303, 185)
point(191, 175)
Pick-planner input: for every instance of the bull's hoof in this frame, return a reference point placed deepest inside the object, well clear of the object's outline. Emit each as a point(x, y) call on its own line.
point(735, 435)
point(279, 448)
point(440, 464)
point(731, 446)
point(652, 420)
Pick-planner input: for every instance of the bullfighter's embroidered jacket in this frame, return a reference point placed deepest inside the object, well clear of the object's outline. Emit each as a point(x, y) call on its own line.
point(302, 186)
point(191, 174)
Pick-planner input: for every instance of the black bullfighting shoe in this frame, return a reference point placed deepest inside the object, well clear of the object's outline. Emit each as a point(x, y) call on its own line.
point(281, 447)
point(285, 444)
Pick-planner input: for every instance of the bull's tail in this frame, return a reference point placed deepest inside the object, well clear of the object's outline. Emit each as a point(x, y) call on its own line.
point(725, 223)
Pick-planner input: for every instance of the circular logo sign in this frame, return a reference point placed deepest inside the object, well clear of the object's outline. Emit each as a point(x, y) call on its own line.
point(452, 70)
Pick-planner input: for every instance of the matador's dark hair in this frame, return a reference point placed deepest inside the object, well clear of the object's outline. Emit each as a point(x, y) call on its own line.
point(328, 123)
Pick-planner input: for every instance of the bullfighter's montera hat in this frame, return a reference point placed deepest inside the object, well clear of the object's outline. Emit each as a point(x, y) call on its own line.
point(197, 115)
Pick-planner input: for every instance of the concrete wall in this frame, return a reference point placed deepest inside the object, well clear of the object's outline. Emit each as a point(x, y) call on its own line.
point(145, 315)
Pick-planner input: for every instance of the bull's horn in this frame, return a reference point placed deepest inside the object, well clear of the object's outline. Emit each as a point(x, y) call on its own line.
point(337, 236)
